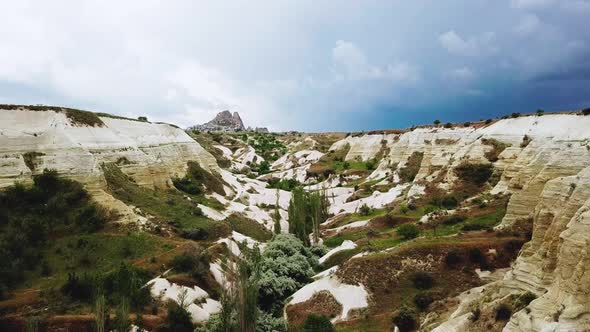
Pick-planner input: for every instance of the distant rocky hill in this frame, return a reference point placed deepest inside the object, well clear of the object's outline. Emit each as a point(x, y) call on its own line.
point(224, 121)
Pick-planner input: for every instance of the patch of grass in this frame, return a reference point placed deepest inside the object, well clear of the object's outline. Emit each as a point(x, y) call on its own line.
point(409, 171)
point(497, 148)
point(167, 205)
point(206, 141)
point(329, 162)
point(337, 239)
point(30, 159)
point(486, 220)
point(477, 174)
point(77, 117)
point(249, 227)
point(350, 218)
point(91, 253)
point(32, 217)
point(199, 175)
point(83, 118)
point(339, 258)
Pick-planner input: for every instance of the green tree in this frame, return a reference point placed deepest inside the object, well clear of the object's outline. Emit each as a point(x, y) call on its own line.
point(298, 215)
point(122, 323)
point(316, 323)
point(100, 312)
point(436, 122)
point(277, 215)
point(408, 231)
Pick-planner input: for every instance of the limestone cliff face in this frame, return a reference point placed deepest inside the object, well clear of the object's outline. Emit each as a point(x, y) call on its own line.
point(151, 153)
point(547, 174)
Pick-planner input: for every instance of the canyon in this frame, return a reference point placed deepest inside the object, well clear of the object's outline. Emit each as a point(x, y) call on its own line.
point(535, 193)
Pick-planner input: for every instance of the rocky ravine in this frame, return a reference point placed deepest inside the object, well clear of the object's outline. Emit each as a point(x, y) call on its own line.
point(545, 166)
point(548, 177)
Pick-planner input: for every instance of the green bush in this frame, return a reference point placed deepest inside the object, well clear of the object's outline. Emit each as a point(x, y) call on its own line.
point(315, 323)
point(453, 220)
point(423, 300)
point(196, 263)
point(453, 257)
point(408, 231)
point(405, 319)
point(178, 320)
point(79, 288)
point(525, 299)
point(422, 280)
point(586, 111)
point(365, 210)
point(409, 171)
point(474, 173)
point(186, 185)
point(31, 214)
point(503, 312)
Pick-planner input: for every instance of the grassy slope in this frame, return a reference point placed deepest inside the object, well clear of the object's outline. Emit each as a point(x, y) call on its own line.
point(166, 205)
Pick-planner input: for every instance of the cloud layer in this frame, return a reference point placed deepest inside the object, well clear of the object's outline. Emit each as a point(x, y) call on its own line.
point(307, 65)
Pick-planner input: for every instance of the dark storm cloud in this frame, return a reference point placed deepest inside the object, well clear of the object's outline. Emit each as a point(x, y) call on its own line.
point(315, 65)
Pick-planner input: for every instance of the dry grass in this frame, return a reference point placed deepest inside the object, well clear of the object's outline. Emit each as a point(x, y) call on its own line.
point(321, 303)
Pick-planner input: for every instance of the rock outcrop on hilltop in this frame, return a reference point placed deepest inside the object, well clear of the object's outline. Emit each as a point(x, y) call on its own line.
point(224, 121)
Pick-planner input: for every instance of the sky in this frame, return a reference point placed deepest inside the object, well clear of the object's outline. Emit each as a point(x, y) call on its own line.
point(309, 65)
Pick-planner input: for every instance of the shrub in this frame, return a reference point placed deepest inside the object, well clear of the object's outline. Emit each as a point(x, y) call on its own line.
point(410, 170)
point(196, 263)
point(513, 246)
point(515, 115)
point(467, 124)
point(476, 256)
point(526, 140)
point(488, 121)
point(178, 320)
point(78, 288)
point(195, 234)
point(453, 220)
point(474, 173)
point(586, 111)
point(286, 265)
point(449, 202)
point(422, 280)
point(540, 112)
point(408, 231)
point(183, 263)
point(186, 185)
point(525, 299)
point(436, 122)
point(503, 312)
point(453, 258)
point(474, 227)
point(142, 118)
point(315, 323)
point(422, 301)
point(405, 319)
point(448, 125)
point(365, 210)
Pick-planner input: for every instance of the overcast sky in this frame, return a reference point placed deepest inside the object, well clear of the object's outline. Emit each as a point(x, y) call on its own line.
point(305, 65)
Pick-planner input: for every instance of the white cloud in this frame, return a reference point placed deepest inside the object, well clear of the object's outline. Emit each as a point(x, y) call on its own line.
point(532, 4)
point(577, 6)
point(356, 66)
point(528, 24)
point(463, 74)
point(474, 46)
